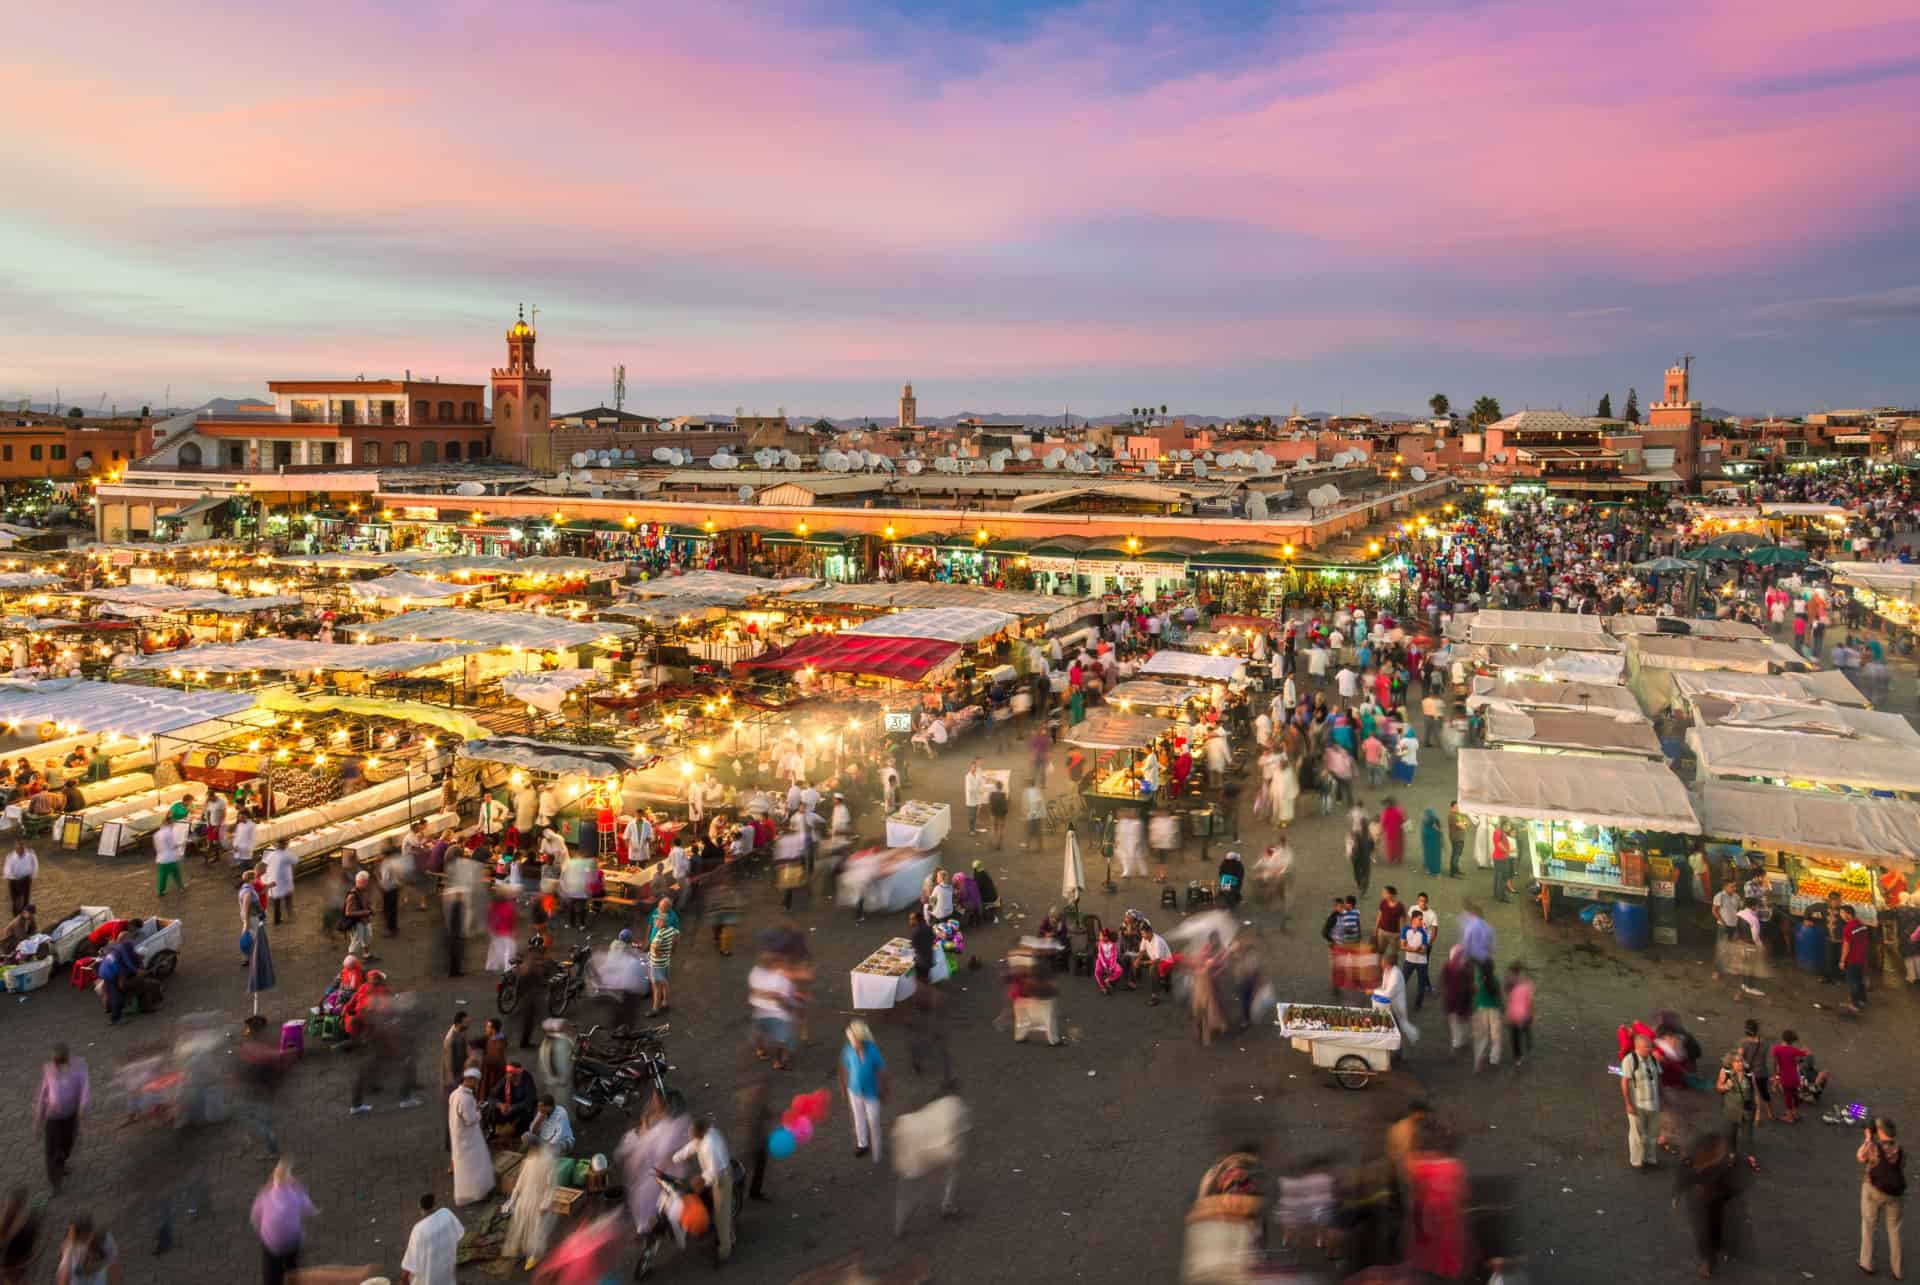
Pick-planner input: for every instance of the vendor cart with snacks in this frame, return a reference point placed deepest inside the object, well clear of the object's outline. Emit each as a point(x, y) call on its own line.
point(1353, 1044)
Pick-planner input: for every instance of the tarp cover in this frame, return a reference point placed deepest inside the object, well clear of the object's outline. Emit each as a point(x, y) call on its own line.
point(160, 597)
point(1628, 626)
point(1632, 794)
point(1825, 685)
point(1763, 715)
point(1540, 629)
point(1749, 656)
point(719, 586)
point(285, 655)
point(406, 586)
point(548, 690)
point(554, 757)
point(916, 594)
point(1532, 693)
point(1609, 732)
point(28, 580)
point(1150, 695)
point(464, 726)
point(494, 628)
point(664, 613)
point(479, 564)
point(1552, 666)
point(1792, 756)
point(1105, 731)
point(1810, 821)
point(113, 707)
point(569, 568)
point(947, 624)
point(1186, 664)
point(903, 658)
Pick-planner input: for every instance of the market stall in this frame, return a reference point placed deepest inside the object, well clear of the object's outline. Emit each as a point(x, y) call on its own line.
point(1846, 764)
point(1583, 821)
point(1563, 731)
point(885, 977)
point(1193, 668)
point(1811, 843)
point(1122, 744)
point(1352, 1044)
point(919, 825)
point(1157, 700)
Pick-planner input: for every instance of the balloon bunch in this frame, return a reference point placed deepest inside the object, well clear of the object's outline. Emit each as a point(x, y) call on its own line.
point(798, 1122)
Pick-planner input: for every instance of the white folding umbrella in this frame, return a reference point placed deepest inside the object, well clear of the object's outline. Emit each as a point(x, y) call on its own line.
point(1073, 880)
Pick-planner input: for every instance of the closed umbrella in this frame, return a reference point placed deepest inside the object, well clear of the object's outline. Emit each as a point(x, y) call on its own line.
point(259, 965)
point(1073, 880)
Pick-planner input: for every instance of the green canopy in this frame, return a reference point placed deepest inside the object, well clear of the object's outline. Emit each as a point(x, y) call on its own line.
point(1059, 546)
point(1235, 558)
point(1777, 555)
point(1712, 553)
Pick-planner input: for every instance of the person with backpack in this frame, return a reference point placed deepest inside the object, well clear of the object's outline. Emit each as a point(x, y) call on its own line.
point(1640, 1091)
point(1882, 1186)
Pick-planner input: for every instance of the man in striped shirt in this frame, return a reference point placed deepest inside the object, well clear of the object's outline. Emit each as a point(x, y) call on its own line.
point(660, 962)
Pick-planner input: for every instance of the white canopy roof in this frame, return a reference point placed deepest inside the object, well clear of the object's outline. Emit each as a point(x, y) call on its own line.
point(717, 585)
point(494, 628)
point(1058, 609)
point(1533, 693)
point(113, 707)
point(1102, 730)
point(28, 580)
point(548, 690)
point(467, 563)
point(590, 568)
point(1140, 691)
point(1796, 756)
point(1741, 655)
point(1759, 714)
point(662, 613)
point(405, 586)
point(947, 624)
point(1633, 794)
point(1540, 629)
point(1811, 821)
point(1550, 665)
point(1828, 686)
point(146, 599)
point(1598, 732)
point(1187, 664)
point(554, 757)
point(1628, 625)
point(286, 655)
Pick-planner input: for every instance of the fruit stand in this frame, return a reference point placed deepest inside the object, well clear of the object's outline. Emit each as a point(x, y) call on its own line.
point(1353, 1044)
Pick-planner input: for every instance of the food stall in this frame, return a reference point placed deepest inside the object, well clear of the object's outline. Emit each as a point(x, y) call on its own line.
point(1583, 822)
point(1208, 672)
point(919, 825)
point(1562, 731)
point(1157, 700)
point(1353, 1044)
point(1850, 764)
point(885, 977)
point(1121, 744)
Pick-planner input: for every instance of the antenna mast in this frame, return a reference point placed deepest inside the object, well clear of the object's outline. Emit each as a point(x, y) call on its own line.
point(619, 388)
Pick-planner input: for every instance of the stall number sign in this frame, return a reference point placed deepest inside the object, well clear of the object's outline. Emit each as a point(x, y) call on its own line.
point(1050, 564)
point(900, 722)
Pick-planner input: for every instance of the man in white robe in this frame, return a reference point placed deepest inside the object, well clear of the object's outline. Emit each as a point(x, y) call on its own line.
point(432, 1247)
point(472, 1162)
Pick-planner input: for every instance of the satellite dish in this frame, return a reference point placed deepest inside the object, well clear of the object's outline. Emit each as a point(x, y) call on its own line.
point(722, 460)
point(606, 458)
point(1200, 468)
point(1257, 506)
point(997, 464)
point(579, 459)
point(1152, 468)
point(1483, 466)
point(472, 488)
point(914, 467)
point(1049, 463)
point(1262, 462)
point(583, 476)
point(1025, 455)
point(1186, 455)
point(1417, 473)
point(662, 454)
point(789, 460)
point(630, 454)
point(746, 494)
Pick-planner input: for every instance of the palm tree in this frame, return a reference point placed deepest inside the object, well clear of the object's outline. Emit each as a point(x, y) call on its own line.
point(1486, 410)
point(1439, 405)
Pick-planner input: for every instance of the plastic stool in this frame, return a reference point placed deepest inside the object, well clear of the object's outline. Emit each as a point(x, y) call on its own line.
point(1170, 898)
point(293, 1037)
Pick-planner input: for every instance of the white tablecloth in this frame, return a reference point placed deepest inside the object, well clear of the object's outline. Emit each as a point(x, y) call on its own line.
point(925, 835)
point(872, 990)
point(894, 891)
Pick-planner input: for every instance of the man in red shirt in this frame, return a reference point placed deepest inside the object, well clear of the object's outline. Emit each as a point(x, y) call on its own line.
point(1853, 958)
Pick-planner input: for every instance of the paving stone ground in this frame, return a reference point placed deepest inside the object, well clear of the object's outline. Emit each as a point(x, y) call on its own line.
point(1083, 1158)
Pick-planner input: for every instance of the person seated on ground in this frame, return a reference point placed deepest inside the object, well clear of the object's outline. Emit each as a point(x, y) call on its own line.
point(511, 1106)
point(1053, 928)
point(19, 928)
point(989, 895)
point(550, 1126)
point(362, 1012)
point(352, 977)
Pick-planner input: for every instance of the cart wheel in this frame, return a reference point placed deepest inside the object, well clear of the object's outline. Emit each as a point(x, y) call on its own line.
point(509, 997)
point(1352, 1071)
point(162, 965)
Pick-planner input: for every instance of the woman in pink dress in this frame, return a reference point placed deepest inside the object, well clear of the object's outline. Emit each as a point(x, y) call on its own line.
point(1106, 962)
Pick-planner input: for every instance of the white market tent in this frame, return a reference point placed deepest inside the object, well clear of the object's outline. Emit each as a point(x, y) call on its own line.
point(1821, 687)
point(1761, 715)
point(1624, 626)
point(718, 586)
point(555, 757)
point(28, 580)
point(1102, 730)
point(1745, 656)
point(662, 613)
point(153, 599)
point(76, 705)
point(1891, 579)
point(944, 624)
point(546, 690)
point(1533, 693)
point(288, 655)
point(1793, 757)
point(1152, 695)
point(1554, 629)
point(493, 628)
point(464, 564)
point(1187, 664)
point(1547, 664)
point(1812, 822)
point(1632, 794)
point(404, 586)
point(1560, 730)
point(569, 568)
point(1059, 611)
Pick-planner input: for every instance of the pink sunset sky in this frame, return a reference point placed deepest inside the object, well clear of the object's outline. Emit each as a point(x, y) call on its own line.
point(1225, 208)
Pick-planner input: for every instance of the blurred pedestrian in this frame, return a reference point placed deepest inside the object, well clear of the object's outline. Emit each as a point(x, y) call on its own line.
point(863, 1074)
point(1882, 1186)
point(928, 1145)
point(1705, 1185)
point(280, 1212)
point(58, 1104)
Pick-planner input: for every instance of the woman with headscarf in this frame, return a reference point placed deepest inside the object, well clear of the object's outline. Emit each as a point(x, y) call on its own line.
point(1360, 847)
point(1432, 840)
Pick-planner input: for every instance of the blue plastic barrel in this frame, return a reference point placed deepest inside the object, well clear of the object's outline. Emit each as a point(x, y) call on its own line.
point(1810, 946)
point(1632, 926)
